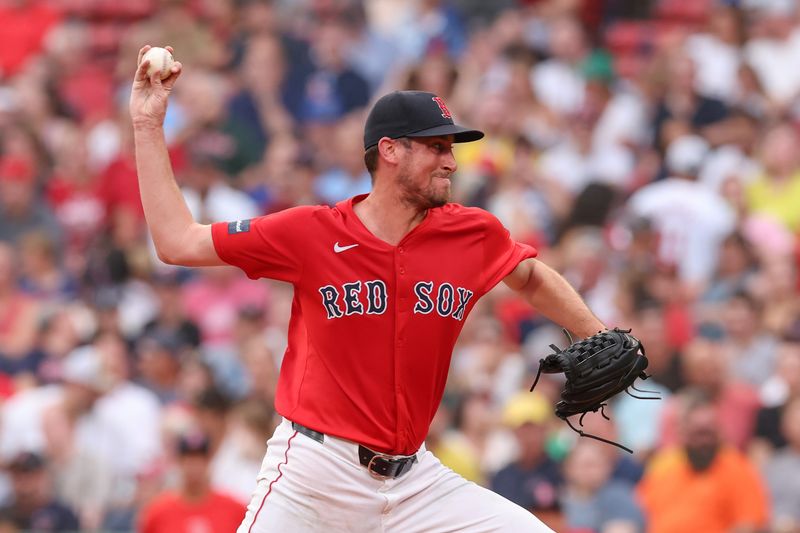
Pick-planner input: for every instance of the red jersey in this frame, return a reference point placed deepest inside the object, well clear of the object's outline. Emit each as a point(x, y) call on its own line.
point(171, 513)
point(373, 325)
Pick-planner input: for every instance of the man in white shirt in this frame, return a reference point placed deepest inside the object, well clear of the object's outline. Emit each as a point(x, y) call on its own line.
point(691, 219)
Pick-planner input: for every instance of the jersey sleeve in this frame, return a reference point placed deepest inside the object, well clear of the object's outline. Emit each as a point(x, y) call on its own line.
point(501, 253)
point(265, 247)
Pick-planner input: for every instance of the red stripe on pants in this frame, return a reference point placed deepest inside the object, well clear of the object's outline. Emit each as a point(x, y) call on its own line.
point(280, 473)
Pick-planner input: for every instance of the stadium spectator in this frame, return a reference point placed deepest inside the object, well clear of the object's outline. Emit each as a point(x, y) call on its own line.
point(691, 220)
point(19, 314)
point(171, 317)
point(776, 192)
point(33, 506)
point(782, 473)
point(681, 108)
point(591, 499)
point(81, 445)
point(703, 483)
point(475, 448)
point(159, 365)
point(771, 43)
point(256, 112)
point(194, 504)
point(752, 350)
point(782, 387)
point(705, 366)
point(716, 55)
point(533, 479)
point(21, 211)
point(242, 450)
point(43, 276)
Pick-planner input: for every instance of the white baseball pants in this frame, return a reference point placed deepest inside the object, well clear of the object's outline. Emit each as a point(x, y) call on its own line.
point(308, 486)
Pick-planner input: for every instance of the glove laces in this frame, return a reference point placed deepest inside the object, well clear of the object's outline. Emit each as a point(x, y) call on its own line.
point(601, 407)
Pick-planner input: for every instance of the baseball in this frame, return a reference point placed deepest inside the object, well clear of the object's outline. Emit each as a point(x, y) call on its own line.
point(161, 61)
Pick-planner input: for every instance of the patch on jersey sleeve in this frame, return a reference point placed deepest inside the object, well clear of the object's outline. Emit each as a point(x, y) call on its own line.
point(240, 226)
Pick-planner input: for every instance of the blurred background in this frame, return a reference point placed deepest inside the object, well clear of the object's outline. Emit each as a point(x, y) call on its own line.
point(648, 148)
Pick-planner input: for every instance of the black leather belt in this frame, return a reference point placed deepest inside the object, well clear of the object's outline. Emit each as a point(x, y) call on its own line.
point(380, 464)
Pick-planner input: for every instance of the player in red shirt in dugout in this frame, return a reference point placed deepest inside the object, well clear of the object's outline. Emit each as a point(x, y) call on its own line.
point(382, 285)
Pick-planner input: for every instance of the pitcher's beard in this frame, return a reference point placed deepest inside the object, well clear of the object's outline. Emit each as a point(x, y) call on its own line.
point(423, 198)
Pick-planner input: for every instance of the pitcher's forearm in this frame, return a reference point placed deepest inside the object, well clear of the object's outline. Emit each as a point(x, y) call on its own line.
point(556, 299)
point(165, 209)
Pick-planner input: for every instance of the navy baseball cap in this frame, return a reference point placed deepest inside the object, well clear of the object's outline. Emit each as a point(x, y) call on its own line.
point(193, 443)
point(26, 462)
point(413, 114)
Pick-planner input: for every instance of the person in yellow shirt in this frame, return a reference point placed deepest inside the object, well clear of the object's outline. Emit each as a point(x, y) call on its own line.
point(776, 192)
point(704, 484)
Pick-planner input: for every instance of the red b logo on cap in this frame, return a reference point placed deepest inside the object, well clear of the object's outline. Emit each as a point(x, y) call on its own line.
point(440, 103)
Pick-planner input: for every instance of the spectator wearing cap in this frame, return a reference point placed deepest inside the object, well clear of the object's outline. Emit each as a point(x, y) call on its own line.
point(21, 211)
point(533, 479)
point(33, 506)
point(82, 448)
point(691, 220)
point(159, 364)
point(194, 505)
point(171, 316)
point(211, 407)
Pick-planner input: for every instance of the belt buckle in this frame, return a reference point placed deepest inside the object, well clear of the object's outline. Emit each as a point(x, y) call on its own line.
point(378, 455)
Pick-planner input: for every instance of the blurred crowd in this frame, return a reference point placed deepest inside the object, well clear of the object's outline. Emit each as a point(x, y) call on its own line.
point(648, 149)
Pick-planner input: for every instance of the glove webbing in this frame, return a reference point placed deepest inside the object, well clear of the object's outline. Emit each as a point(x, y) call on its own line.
point(600, 407)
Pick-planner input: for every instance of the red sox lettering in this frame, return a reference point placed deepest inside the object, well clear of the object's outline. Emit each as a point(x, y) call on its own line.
point(375, 297)
point(344, 301)
point(442, 107)
point(444, 299)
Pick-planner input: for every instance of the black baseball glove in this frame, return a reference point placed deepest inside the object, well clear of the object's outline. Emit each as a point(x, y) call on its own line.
point(596, 368)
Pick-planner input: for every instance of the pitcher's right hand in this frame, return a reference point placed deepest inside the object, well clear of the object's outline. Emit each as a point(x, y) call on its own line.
point(148, 103)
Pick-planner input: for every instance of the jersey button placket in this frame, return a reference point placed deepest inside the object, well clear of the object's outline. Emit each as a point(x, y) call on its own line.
point(400, 338)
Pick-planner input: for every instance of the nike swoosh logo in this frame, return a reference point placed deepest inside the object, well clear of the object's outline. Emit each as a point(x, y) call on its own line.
point(339, 249)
